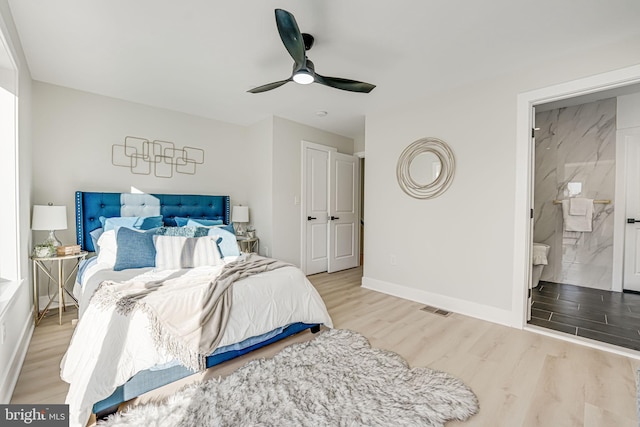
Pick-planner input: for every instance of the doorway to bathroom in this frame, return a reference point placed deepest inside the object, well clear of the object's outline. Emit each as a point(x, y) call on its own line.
point(580, 156)
point(575, 160)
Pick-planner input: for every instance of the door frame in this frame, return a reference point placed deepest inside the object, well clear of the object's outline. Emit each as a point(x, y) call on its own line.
point(361, 155)
point(524, 171)
point(303, 198)
point(531, 186)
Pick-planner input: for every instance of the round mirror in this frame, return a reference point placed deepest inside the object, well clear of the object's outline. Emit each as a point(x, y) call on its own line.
point(425, 168)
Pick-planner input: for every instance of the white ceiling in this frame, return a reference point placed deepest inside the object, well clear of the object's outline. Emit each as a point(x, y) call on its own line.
point(201, 56)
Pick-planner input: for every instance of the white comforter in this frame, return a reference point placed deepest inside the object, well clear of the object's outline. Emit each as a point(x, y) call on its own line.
point(107, 348)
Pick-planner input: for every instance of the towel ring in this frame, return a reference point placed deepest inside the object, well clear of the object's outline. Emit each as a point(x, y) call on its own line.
point(410, 184)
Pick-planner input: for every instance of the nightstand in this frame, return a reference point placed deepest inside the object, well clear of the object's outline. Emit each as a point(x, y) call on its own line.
point(248, 244)
point(40, 267)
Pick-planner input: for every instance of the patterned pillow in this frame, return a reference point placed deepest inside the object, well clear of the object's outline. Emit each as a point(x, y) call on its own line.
point(183, 231)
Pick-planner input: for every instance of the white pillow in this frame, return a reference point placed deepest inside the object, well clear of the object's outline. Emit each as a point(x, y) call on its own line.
point(108, 248)
point(175, 252)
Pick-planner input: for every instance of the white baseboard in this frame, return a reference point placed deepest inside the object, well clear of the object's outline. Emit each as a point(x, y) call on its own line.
point(468, 308)
point(17, 359)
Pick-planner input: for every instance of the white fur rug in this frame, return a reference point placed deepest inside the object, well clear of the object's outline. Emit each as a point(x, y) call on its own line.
point(336, 379)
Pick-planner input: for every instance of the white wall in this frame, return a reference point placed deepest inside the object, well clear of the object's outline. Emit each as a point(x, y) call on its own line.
point(258, 166)
point(359, 141)
point(456, 251)
point(16, 318)
point(287, 181)
point(260, 137)
point(72, 140)
point(358, 144)
point(628, 114)
point(74, 132)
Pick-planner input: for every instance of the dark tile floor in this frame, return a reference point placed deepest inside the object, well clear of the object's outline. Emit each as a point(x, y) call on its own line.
point(611, 317)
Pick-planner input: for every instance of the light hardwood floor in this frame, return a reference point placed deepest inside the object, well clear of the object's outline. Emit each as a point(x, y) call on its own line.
point(521, 378)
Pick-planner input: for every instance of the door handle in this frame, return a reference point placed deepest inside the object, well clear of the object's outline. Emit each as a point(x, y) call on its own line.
point(309, 218)
point(333, 218)
point(632, 220)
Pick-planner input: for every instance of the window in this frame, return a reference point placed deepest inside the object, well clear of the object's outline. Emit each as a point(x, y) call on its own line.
point(9, 232)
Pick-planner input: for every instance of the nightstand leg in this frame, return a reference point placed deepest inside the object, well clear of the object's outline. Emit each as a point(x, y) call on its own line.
point(60, 291)
point(36, 303)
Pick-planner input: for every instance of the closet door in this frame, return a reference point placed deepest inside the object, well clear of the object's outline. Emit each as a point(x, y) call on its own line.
point(343, 212)
point(316, 199)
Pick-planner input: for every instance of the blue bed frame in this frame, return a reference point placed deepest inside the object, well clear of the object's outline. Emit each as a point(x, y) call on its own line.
point(90, 206)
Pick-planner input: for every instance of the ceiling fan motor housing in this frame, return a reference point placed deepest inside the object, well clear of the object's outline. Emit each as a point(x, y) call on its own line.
point(308, 41)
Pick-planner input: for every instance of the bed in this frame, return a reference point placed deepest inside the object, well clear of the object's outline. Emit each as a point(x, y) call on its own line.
point(114, 358)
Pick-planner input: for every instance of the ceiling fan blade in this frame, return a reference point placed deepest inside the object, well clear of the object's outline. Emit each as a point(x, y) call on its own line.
point(268, 86)
point(344, 84)
point(290, 35)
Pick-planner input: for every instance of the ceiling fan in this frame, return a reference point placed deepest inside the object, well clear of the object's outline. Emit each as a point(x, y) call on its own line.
point(304, 72)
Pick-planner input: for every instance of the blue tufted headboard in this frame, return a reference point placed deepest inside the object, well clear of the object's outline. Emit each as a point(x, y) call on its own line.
point(91, 206)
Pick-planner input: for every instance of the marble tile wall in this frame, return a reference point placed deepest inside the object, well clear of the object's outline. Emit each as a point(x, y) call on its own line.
point(575, 156)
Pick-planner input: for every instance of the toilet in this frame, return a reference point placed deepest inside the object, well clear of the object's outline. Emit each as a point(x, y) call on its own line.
point(539, 260)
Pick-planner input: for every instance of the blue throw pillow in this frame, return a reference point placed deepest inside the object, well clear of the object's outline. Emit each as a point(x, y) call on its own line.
point(206, 222)
point(135, 249)
point(137, 222)
point(182, 221)
point(228, 246)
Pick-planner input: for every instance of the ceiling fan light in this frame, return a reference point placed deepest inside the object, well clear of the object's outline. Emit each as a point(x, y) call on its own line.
point(303, 77)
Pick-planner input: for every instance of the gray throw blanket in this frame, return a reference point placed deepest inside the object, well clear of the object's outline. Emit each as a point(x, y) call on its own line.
point(188, 315)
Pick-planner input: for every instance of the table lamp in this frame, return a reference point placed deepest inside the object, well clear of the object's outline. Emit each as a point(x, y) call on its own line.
point(49, 218)
point(240, 215)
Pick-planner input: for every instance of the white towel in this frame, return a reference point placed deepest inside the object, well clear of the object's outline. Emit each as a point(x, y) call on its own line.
point(579, 205)
point(577, 222)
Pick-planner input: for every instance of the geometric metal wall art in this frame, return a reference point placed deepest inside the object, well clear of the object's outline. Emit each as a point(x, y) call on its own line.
point(161, 158)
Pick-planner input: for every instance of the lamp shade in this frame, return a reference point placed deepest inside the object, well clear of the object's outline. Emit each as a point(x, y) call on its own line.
point(240, 214)
point(49, 217)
